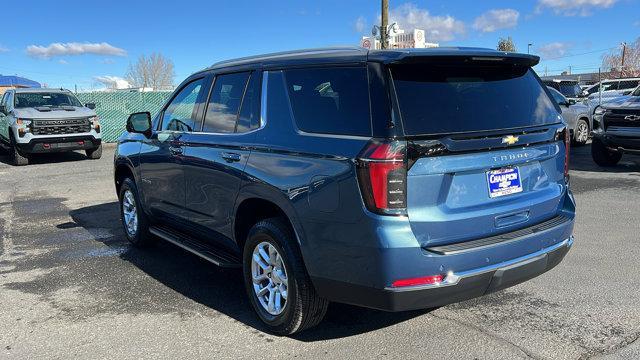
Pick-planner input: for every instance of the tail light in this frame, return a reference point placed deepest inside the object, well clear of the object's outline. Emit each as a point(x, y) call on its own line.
point(566, 136)
point(382, 174)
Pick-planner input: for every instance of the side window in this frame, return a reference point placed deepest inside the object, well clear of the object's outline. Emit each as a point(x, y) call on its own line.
point(628, 84)
point(249, 118)
point(611, 86)
point(179, 114)
point(330, 100)
point(224, 103)
point(557, 97)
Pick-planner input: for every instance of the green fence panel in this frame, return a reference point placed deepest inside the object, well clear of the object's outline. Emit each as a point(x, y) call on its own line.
point(113, 108)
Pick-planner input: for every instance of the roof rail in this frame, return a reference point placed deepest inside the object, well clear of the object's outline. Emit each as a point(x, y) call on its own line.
point(288, 53)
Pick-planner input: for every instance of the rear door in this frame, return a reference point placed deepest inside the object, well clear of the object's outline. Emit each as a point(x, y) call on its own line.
point(219, 152)
point(482, 151)
point(162, 154)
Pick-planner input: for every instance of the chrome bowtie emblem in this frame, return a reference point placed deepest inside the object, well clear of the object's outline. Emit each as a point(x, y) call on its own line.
point(632, 117)
point(510, 140)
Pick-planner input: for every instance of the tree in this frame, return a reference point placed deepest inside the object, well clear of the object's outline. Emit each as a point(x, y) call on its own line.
point(154, 72)
point(506, 45)
point(612, 62)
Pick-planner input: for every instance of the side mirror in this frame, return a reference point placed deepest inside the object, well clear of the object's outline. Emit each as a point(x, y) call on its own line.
point(139, 123)
point(91, 106)
point(571, 102)
point(3, 110)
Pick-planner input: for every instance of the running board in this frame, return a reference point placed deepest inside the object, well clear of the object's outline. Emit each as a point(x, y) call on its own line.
point(210, 253)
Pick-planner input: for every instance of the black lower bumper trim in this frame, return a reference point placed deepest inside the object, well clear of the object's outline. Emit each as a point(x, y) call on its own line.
point(619, 143)
point(59, 144)
point(468, 287)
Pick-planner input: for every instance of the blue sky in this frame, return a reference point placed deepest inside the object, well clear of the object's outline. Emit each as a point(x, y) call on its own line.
point(107, 36)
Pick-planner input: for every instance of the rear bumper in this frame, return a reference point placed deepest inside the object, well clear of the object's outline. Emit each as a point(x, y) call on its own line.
point(454, 288)
point(59, 144)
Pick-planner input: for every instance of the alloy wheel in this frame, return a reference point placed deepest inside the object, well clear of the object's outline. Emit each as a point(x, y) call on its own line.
point(130, 213)
point(269, 276)
point(582, 133)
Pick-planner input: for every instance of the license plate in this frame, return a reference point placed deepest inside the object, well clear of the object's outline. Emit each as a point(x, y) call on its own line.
point(504, 181)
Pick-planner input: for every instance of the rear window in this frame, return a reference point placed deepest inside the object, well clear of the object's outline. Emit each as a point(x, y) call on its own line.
point(437, 99)
point(330, 100)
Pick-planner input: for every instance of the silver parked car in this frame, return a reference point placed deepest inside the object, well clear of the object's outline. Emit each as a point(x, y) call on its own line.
point(36, 121)
point(576, 115)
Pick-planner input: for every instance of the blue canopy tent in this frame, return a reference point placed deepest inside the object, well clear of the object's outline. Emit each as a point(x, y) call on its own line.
point(17, 81)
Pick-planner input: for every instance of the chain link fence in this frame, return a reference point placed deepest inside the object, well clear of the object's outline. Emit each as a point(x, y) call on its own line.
point(113, 108)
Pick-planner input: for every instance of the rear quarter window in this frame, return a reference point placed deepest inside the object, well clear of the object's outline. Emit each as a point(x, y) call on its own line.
point(330, 100)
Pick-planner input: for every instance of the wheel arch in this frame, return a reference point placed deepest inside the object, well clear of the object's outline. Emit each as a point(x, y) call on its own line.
point(261, 202)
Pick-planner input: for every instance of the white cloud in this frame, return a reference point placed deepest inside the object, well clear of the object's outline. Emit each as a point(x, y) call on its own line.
point(496, 19)
point(554, 50)
point(107, 61)
point(3, 49)
point(63, 62)
point(360, 24)
point(574, 7)
point(74, 48)
point(112, 82)
point(437, 28)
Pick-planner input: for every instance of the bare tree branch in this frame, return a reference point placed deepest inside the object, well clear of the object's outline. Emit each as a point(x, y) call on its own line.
point(612, 62)
point(154, 72)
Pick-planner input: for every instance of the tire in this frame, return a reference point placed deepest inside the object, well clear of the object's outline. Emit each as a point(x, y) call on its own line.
point(95, 153)
point(603, 156)
point(581, 133)
point(19, 159)
point(138, 234)
point(303, 308)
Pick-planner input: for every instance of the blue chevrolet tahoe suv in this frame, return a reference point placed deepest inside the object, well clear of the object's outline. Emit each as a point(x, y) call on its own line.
point(395, 180)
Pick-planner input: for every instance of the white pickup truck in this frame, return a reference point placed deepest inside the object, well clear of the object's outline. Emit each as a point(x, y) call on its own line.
point(38, 120)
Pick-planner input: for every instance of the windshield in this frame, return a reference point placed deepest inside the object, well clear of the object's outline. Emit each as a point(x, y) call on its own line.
point(570, 90)
point(45, 99)
point(445, 98)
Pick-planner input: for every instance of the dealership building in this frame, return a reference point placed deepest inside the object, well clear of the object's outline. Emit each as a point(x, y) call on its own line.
point(400, 40)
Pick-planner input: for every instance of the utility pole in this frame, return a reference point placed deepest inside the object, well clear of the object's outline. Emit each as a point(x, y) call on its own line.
point(624, 48)
point(528, 47)
point(569, 69)
point(385, 22)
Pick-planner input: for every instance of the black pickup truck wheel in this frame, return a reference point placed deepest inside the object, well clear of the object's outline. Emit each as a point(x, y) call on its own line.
point(603, 156)
point(95, 153)
point(19, 159)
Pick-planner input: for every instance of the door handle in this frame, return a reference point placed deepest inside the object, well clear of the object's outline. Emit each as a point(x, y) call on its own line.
point(230, 157)
point(175, 150)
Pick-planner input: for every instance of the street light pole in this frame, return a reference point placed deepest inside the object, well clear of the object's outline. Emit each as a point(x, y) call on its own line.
point(385, 21)
point(529, 47)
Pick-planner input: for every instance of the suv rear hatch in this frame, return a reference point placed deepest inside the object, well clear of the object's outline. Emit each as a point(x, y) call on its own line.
point(486, 150)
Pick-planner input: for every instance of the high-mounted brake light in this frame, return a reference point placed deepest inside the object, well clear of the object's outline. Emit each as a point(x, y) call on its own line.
point(425, 280)
point(382, 174)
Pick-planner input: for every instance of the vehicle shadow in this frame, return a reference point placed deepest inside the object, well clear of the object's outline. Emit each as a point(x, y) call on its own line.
point(580, 160)
point(219, 289)
point(48, 158)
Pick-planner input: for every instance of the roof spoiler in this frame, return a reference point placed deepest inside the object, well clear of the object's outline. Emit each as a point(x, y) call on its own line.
point(466, 56)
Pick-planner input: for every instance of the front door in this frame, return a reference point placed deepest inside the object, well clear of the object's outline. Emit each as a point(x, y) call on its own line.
point(162, 155)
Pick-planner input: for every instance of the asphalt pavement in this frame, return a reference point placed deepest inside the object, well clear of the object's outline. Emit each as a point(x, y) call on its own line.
point(72, 287)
